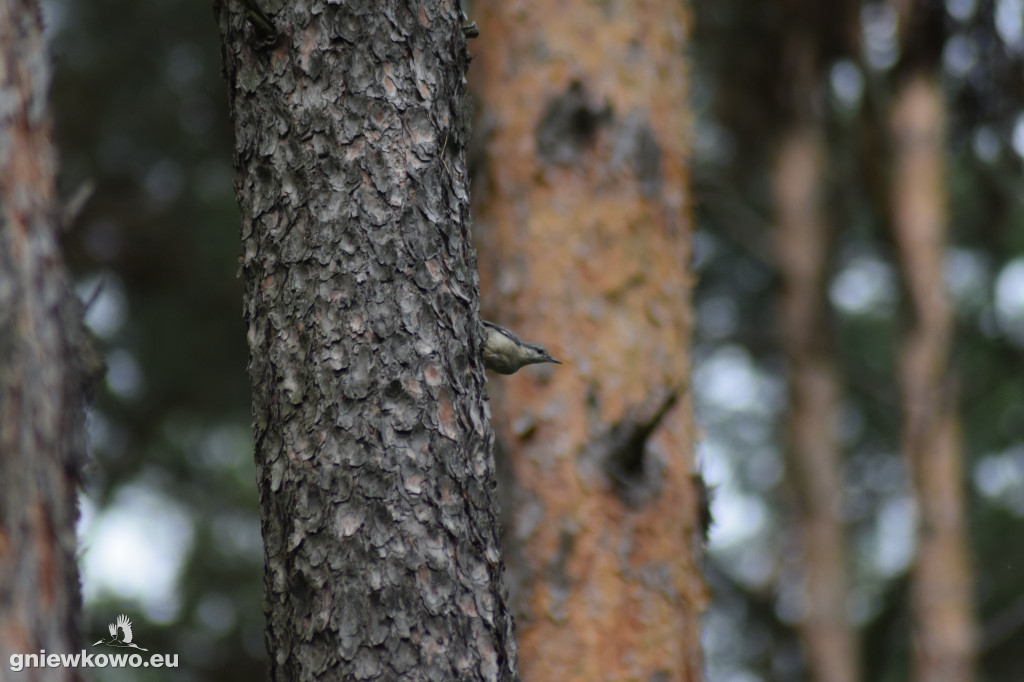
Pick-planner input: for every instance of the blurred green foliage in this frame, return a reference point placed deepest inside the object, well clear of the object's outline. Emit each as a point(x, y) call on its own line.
point(141, 114)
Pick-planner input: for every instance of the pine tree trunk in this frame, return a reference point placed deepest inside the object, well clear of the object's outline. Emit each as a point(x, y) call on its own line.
point(585, 228)
point(373, 441)
point(813, 457)
point(942, 588)
point(41, 394)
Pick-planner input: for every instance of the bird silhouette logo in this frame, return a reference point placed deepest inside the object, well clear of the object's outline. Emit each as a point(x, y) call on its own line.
point(120, 634)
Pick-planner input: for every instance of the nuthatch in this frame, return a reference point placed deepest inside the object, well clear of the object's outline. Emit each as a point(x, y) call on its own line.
point(505, 353)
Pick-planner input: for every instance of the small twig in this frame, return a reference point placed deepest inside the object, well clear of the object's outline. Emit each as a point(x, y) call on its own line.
point(87, 304)
point(75, 203)
point(260, 21)
point(444, 147)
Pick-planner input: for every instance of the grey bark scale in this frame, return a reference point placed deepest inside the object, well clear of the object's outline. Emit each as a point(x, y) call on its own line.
point(42, 437)
point(373, 441)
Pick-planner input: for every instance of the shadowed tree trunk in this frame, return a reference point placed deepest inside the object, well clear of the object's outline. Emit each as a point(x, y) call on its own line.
point(585, 226)
point(373, 442)
point(41, 394)
point(942, 592)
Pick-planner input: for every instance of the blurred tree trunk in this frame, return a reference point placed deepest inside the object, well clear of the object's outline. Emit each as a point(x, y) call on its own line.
point(373, 443)
point(943, 622)
point(41, 394)
point(585, 229)
point(803, 244)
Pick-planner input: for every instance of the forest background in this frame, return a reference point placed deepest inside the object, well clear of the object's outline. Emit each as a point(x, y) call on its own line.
point(170, 532)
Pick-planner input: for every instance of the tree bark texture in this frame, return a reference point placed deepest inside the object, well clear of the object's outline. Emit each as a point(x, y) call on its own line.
point(814, 468)
point(943, 626)
point(373, 442)
point(584, 232)
point(41, 416)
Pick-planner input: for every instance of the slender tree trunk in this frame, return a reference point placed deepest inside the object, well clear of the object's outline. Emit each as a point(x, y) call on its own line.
point(943, 622)
point(373, 442)
point(585, 230)
point(41, 417)
point(802, 249)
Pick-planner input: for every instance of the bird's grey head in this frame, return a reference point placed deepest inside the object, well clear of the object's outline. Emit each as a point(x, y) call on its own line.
point(538, 354)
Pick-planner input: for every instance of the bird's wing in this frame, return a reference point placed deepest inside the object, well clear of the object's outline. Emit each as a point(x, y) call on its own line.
point(126, 625)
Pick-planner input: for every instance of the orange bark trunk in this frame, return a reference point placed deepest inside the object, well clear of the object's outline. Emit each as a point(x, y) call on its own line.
point(583, 227)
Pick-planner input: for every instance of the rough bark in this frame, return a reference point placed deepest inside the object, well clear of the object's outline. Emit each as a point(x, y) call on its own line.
point(373, 442)
point(814, 472)
point(41, 418)
point(943, 627)
point(584, 227)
